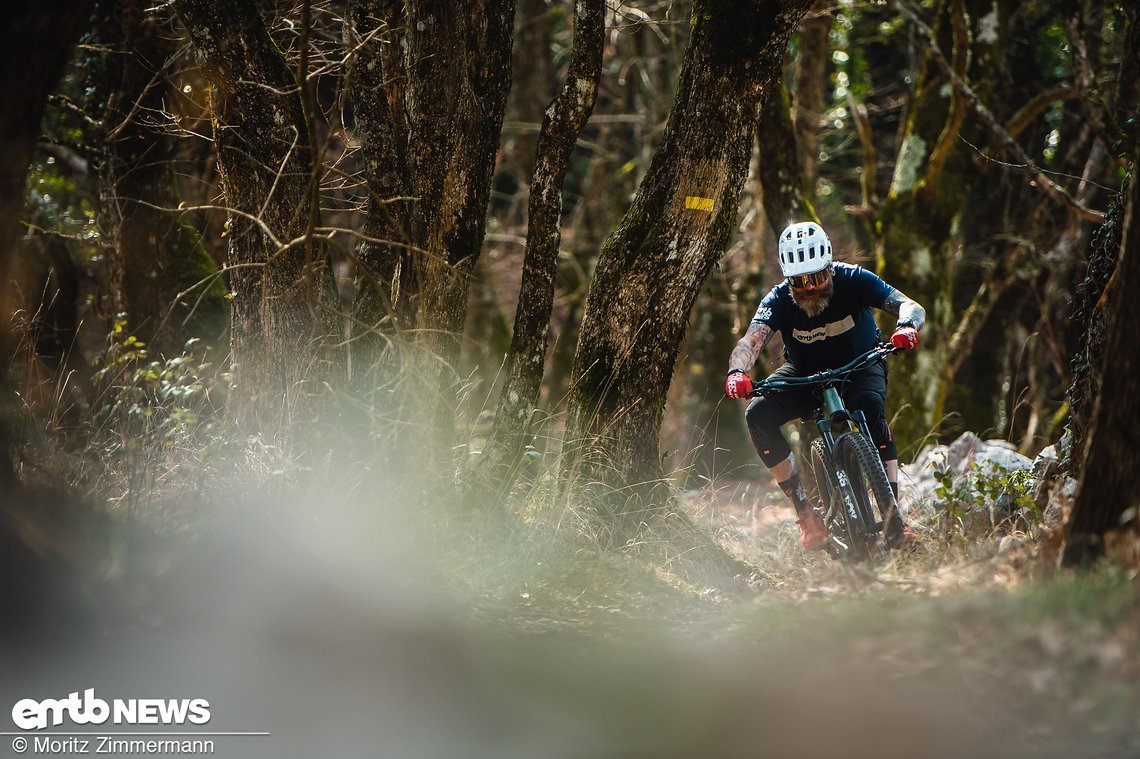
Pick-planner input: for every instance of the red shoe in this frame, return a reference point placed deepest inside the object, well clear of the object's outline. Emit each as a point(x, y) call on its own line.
point(813, 533)
point(906, 538)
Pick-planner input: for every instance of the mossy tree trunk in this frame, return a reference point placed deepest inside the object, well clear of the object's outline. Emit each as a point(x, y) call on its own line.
point(917, 247)
point(153, 253)
point(623, 135)
point(652, 267)
point(1108, 485)
point(777, 194)
point(787, 195)
point(561, 126)
point(1090, 302)
point(283, 309)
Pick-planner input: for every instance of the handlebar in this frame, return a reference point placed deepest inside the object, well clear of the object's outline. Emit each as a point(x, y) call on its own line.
point(821, 378)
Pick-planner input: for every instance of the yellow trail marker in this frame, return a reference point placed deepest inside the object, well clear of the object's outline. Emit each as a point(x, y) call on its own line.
point(697, 203)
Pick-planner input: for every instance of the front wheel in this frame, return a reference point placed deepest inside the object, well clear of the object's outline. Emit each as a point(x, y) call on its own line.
point(842, 515)
point(864, 467)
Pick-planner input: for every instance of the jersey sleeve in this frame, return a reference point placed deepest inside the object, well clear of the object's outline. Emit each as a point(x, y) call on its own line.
point(870, 290)
point(768, 312)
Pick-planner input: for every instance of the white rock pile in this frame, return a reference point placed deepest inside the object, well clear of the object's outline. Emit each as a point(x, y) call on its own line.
point(972, 467)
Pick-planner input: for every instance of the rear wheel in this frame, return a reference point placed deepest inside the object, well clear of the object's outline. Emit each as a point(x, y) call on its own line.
point(827, 487)
point(864, 467)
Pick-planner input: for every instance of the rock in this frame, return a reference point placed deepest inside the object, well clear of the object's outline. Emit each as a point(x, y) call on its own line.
point(992, 459)
point(1009, 543)
point(1060, 502)
point(961, 451)
point(1046, 467)
point(977, 469)
point(1065, 447)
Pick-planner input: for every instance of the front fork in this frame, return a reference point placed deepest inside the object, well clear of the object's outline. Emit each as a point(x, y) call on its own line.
point(835, 416)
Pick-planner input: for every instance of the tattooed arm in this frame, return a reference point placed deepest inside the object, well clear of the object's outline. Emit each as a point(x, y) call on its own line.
point(907, 310)
point(748, 348)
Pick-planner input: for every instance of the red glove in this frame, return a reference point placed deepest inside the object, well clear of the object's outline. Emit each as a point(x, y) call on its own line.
point(905, 337)
point(737, 385)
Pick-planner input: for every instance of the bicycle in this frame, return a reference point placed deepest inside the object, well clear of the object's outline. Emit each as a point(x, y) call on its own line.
point(848, 471)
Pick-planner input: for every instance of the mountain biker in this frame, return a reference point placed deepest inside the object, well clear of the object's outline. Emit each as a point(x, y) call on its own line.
point(823, 312)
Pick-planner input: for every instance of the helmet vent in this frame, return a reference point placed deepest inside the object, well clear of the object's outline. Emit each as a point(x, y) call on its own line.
point(804, 249)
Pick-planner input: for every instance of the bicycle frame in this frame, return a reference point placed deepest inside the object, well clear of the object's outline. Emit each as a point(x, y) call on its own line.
point(832, 410)
point(833, 415)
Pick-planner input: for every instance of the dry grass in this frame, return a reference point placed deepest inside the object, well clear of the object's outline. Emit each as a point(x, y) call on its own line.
point(664, 640)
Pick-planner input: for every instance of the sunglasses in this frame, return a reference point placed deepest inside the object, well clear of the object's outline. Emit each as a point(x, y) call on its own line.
point(803, 280)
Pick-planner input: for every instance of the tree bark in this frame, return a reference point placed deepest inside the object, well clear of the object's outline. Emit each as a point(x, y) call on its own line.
point(786, 191)
point(1088, 311)
point(458, 66)
point(282, 309)
point(651, 268)
point(384, 273)
point(1109, 486)
point(933, 176)
point(561, 125)
point(446, 74)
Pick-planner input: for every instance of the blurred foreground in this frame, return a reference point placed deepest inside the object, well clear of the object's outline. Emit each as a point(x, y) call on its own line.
point(348, 635)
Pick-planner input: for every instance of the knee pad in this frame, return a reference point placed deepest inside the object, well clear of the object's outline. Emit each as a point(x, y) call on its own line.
point(883, 439)
point(764, 430)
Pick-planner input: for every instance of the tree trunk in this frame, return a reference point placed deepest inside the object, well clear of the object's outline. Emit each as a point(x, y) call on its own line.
point(561, 126)
point(1088, 313)
point(933, 176)
point(531, 90)
point(153, 254)
point(458, 66)
point(384, 273)
point(608, 185)
point(785, 185)
point(433, 143)
point(35, 42)
point(282, 312)
point(651, 268)
point(1108, 485)
point(811, 86)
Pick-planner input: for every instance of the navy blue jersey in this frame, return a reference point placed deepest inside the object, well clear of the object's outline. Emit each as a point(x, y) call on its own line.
point(844, 330)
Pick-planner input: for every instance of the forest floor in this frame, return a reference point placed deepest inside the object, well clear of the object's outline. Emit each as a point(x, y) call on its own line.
point(357, 635)
point(952, 649)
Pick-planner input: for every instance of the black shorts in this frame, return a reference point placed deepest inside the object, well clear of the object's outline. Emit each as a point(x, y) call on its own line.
point(865, 390)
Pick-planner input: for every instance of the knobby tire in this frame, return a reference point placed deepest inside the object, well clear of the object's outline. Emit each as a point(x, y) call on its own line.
point(826, 488)
point(838, 497)
point(857, 455)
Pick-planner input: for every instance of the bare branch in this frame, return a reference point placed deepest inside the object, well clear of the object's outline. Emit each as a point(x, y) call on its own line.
point(957, 115)
point(870, 155)
point(1040, 178)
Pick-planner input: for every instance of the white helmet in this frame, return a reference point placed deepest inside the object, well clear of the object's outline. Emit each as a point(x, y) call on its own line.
point(804, 249)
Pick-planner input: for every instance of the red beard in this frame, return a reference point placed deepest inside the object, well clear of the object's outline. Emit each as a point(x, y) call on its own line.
point(812, 303)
